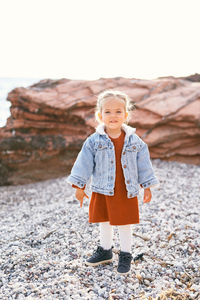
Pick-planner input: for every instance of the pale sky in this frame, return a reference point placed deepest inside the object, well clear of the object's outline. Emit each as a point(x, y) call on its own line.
point(89, 39)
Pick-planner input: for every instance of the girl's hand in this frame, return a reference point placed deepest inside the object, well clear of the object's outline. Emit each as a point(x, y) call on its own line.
point(147, 195)
point(80, 194)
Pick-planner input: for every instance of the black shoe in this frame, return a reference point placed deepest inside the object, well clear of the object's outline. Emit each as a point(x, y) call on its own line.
point(100, 256)
point(124, 264)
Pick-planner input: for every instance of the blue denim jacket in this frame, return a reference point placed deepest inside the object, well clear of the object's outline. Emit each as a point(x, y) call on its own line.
point(96, 160)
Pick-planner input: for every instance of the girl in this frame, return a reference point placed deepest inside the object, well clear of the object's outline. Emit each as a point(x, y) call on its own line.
point(118, 161)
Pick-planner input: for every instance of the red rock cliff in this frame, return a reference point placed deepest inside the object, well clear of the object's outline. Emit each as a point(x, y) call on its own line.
point(50, 120)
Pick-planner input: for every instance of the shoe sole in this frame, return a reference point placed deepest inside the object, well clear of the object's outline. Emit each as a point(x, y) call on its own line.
point(99, 263)
point(123, 273)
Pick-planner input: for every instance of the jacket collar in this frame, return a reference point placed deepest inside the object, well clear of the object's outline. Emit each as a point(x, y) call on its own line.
point(128, 130)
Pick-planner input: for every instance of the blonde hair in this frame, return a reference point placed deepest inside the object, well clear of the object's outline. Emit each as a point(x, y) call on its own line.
point(116, 94)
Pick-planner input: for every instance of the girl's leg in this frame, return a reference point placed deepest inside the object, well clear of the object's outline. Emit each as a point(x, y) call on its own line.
point(106, 235)
point(125, 237)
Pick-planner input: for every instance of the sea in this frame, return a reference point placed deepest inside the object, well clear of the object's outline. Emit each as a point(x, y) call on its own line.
point(7, 85)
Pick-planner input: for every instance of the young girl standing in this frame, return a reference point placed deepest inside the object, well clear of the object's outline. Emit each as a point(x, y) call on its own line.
point(118, 162)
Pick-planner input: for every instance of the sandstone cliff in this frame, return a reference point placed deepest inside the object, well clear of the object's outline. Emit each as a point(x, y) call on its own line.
point(50, 120)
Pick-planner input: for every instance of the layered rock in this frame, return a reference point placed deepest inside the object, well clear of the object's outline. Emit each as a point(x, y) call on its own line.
point(50, 120)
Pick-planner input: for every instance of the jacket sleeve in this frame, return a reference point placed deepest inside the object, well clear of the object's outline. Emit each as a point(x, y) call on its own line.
point(83, 166)
point(146, 176)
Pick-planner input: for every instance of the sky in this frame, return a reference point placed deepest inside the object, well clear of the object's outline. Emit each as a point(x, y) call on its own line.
point(90, 39)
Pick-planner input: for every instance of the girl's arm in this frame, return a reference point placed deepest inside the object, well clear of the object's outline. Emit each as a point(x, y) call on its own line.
point(80, 194)
point(147, 195)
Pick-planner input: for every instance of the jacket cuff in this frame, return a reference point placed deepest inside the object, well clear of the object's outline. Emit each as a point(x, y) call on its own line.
point(150, 183)
point(76, 187)
point(76, 181)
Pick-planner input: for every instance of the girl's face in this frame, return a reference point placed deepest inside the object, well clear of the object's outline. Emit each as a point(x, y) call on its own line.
point(113, 113)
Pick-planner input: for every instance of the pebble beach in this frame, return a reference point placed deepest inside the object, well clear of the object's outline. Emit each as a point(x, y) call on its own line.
point(45, 238)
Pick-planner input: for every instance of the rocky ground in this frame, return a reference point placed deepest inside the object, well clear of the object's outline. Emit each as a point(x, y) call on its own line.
point(45, 237)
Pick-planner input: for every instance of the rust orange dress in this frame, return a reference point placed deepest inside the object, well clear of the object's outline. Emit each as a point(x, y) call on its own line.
point(116, 209)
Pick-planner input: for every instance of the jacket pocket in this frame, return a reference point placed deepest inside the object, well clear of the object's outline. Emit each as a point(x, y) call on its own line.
point(100, 146)
point(133, 148)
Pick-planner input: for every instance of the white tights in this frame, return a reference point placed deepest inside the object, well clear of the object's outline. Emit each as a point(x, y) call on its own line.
point(106, 236)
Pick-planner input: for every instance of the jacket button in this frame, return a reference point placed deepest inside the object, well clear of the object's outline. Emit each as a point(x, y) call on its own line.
point(100, 146)
point(124, 166)
point(124, 152)
point(111, 177)
point(134, 147)
point(131, 195)
point(110, 193)
point(111, 161)
point(128, 181)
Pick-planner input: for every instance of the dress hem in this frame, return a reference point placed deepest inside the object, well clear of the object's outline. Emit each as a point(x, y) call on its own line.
point(101, 221)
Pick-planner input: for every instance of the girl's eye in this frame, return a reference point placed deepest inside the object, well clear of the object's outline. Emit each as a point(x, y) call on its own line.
point(107, 112)
point(119, 111)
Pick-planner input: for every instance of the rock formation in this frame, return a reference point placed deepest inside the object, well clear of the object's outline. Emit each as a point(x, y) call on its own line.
point(50, 120)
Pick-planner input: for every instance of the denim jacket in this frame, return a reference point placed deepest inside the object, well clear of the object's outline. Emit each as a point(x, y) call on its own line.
point(96, 160)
